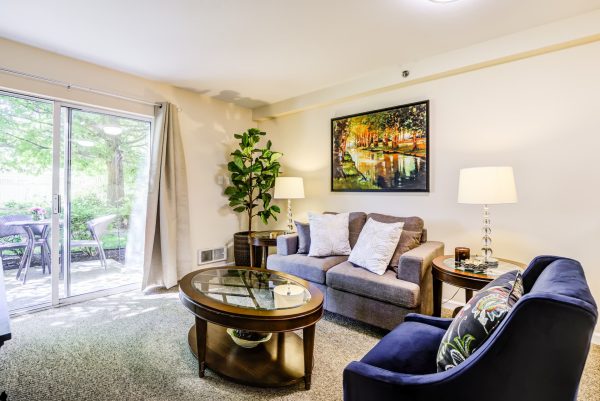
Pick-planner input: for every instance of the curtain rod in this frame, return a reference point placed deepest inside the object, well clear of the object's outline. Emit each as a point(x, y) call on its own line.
point(78, 87)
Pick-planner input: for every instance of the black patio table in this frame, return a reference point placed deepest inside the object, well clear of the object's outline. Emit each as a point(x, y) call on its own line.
point(28, 226)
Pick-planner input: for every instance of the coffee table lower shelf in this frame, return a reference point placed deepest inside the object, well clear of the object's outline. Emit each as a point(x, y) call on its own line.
point(278, 362)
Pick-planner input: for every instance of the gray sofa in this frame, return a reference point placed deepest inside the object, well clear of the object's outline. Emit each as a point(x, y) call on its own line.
point(352, 291)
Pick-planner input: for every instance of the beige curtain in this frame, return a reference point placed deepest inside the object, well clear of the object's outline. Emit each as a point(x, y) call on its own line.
point(166, 251)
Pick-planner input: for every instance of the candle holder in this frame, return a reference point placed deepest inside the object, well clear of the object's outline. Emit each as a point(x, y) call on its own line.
point(461, 254)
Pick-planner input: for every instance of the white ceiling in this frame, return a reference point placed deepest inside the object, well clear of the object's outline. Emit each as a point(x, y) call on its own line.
point(253, 52)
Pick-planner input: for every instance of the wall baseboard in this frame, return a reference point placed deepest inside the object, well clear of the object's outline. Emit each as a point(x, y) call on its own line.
point(596, 338)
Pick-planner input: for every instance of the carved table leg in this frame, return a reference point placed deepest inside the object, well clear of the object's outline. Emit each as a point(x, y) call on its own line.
point(309, 346)
point(437, 297)
point(201, 326)
point(265, 254)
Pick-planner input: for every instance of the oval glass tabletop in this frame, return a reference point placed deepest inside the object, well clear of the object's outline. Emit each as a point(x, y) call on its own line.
point(252, 289)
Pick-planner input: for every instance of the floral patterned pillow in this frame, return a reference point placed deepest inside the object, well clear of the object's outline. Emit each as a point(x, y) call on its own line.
point(478, 319)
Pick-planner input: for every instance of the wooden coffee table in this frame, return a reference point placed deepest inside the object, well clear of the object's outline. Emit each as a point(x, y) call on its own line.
point(444, 272)
point(244, 298)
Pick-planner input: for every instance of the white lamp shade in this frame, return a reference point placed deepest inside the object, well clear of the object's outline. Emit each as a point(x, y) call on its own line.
point(289, 188)
point(487, 185)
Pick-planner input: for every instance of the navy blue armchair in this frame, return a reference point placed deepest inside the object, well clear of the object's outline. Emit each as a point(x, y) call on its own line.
point(537, 353)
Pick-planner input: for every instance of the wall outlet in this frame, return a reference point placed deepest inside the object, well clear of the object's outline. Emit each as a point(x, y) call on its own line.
point(212, 255)
point(223, 180)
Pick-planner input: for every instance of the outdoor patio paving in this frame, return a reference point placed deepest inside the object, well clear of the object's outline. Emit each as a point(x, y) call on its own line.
point(86, 276)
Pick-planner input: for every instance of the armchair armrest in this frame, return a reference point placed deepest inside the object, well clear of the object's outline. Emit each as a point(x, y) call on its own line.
point(415, 263)
point(287, 244)
point(365, 382)
point(440, 322)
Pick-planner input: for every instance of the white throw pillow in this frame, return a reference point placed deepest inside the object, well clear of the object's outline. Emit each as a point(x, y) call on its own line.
point(328, 234)
point(376, 245)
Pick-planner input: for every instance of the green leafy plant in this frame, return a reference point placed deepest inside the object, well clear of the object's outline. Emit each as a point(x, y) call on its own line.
point(83, 209)
point(253, 172)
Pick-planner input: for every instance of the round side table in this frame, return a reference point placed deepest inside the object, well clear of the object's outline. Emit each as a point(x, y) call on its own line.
point(263, 239)
point(444, 271)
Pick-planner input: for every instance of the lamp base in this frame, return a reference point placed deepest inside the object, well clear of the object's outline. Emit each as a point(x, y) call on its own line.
point(290, 221)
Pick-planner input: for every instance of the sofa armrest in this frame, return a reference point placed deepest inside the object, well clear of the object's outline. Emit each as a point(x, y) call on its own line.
point(439, 322)
point(415, 263)
point(287, 244)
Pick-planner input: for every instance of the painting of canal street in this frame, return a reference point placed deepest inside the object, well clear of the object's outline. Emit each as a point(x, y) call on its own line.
point(382, 151)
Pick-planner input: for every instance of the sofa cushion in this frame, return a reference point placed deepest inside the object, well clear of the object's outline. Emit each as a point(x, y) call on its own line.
point(303, 230)
point(412, 223)
point(477, 320)
point(356, 222)
point(410, 348)
point(386, 288)
point(411, 234)
point(376, 245)
point(328, 234)
point(409, 240)
point(307, 267)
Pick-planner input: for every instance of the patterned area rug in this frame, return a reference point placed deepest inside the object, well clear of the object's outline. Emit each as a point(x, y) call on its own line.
point(134, 347)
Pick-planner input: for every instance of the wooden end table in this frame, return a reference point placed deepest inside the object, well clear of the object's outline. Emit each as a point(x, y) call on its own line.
point(443, 271)
point(245, 298)
point(263, 239)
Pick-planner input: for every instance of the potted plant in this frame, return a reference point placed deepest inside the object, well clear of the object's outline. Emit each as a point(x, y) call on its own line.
point(253, 171)
point(37, 213)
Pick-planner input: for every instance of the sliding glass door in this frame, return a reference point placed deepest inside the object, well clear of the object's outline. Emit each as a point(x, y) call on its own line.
point(26, 150)
point(73, 185)
point(106, 176)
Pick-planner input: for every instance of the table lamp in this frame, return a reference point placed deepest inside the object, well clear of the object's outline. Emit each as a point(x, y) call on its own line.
point(487, 186)
point(289, 188)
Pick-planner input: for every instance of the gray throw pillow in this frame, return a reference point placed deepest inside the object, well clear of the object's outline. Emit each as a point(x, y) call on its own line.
point(410, 238)
point(303, 230)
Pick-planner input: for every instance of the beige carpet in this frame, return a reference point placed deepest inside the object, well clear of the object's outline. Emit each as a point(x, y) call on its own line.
point(134, 347)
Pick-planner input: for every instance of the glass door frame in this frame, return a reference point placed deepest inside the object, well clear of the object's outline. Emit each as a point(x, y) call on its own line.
point(64, 197)
point(51, 301)
point(61, 198)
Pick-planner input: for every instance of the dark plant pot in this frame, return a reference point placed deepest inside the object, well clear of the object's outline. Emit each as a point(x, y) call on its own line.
point(241, 250)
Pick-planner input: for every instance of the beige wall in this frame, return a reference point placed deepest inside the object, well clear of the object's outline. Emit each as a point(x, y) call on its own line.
point(539, 115)
point(207, 126)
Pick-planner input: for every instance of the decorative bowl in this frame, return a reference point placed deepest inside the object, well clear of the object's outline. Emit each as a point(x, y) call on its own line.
point(247, 343)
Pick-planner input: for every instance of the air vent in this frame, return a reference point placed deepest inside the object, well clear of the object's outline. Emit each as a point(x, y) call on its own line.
point(212, 255)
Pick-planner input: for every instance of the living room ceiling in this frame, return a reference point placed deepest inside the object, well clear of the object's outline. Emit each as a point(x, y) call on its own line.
point(254, 52)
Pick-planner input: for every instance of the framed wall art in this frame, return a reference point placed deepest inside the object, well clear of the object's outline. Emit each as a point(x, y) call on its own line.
point(383, 150)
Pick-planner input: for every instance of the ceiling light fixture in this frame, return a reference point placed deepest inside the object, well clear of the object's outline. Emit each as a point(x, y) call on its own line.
point(114, 131)
point(443, 1)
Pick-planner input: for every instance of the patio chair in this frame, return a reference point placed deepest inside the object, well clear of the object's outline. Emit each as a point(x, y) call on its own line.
point(12, 231)
point(98, 227)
